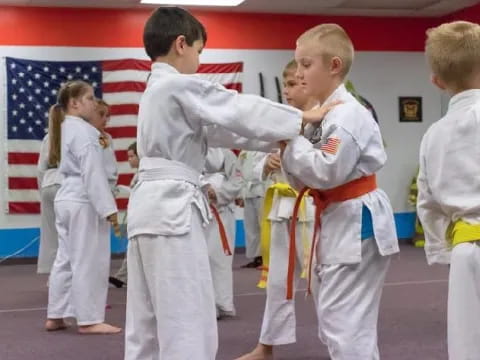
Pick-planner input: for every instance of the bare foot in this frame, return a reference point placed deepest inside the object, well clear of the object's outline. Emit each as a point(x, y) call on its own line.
point(261, 352)
point(102, 329)
point(55, 324)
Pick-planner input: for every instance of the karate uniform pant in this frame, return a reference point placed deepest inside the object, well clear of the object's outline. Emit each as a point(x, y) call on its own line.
point(79, 278)
point(348, 300)
point(279, 321)
point(48, 232)
point(220, 263)
point(251, 221)
point(170, 300)
point(464, 302)
point(122, 273)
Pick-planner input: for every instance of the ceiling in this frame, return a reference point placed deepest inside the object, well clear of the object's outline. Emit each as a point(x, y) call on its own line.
point(411, 8)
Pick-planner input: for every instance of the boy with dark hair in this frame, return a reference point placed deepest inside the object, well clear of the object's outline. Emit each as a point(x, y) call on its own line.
point(170, 303)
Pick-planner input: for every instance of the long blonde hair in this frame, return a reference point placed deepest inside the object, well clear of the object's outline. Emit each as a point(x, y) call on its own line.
point(56, 115)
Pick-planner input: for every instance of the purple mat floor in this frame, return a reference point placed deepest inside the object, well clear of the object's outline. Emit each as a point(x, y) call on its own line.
point(412, 324)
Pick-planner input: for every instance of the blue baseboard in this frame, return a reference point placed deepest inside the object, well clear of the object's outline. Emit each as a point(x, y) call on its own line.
point(12, 240)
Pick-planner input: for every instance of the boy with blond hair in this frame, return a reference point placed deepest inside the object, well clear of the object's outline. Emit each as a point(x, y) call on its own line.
point(338, 165)
point(279, 320)
point(448, 182)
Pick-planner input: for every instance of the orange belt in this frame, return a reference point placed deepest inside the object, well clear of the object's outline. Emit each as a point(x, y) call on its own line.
point(221, 229)
point(322, 199)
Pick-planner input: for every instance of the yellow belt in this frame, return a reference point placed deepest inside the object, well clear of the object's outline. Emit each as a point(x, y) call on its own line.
point(280, 189)
point(462, 232)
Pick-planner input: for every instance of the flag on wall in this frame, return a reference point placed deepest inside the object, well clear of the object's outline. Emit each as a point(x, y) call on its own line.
point(32, 88)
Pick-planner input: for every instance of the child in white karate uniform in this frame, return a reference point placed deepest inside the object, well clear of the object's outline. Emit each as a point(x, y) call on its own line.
point(49, 180)
point(338, 162)
point(252, 195)
point(84, 206)
point(170, 299)
point(279, 321)
point(448, 182)
point(222, 174)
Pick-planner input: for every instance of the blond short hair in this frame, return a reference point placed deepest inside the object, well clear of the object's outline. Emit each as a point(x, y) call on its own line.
point(335, 42)
point(291, 66)
point(453, 52)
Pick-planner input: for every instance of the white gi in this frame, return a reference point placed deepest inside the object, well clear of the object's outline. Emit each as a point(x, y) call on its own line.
point(351, 272)
point(449, 190)
point(49, 180)
point(170, 298)
point(279, 321)
point(79, 277)
point(122, 273)
point(222, 173)
point(110, 162)
point(253, 192)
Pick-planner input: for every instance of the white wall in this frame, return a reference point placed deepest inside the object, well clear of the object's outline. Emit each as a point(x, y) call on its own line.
point(379, 76)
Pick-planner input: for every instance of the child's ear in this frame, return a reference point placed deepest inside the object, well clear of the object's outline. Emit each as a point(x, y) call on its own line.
point(180, 43)
point(336, 65)
point(437, 82)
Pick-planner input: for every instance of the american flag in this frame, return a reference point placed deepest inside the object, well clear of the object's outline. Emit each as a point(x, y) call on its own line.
point(32, 88)
point(331, 146)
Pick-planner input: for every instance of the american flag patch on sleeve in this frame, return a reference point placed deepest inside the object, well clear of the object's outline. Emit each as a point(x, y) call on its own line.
point(331, 146)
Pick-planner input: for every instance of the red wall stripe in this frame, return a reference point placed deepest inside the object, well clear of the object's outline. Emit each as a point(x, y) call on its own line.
point(124, 28)
point(471, 13)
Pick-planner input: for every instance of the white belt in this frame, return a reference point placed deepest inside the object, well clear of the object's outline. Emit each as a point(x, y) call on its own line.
point(152, 169)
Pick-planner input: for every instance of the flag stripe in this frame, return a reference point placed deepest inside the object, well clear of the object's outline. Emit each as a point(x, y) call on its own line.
point(122, 131)
point(220, 68)
point(122, 203)
point(24, 146)
point(25, 158)
point(120, 98)
point(16, 183)
point(23, 207)
point(125, 75)
point(134, 64)
point(124, 109)
point(122, 120)
point(227, 78)
point(121, 155)
point(126, 64)
point(125, 179)
point(234, 86)
point(121, 86)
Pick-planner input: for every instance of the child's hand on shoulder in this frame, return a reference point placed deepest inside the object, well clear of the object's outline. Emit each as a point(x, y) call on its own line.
point(316, 115)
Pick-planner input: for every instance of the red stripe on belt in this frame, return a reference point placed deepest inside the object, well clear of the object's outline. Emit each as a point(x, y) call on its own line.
point(322, 199)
